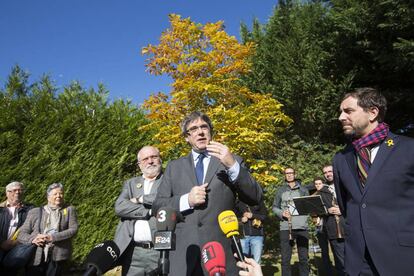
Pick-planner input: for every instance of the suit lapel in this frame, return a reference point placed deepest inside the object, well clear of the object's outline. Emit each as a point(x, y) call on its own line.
point(350, 157)
point(191, 169)
point(155, 185)
point(212, 168)
point(384, 151)
point(138, 188)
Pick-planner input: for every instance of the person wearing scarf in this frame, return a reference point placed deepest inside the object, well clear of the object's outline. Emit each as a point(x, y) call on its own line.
point(53, 237)
point(374, 182)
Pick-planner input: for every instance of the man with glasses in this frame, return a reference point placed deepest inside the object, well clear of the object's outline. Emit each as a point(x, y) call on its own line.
point(199, 187)
point(134, 233)
point(292, 226)
point(13, 213)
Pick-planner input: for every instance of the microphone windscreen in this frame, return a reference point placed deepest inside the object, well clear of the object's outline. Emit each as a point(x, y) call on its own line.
point(214, 259)
point(102, 256)
point(166, 219)
point(228, 223)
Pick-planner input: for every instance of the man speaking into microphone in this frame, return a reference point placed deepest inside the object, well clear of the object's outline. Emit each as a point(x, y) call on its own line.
point(200, 186)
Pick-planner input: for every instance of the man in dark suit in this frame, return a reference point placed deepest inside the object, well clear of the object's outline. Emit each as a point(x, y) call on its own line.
point(374, 180)
point(199, 187)
point(135, 231)
point(332, 228)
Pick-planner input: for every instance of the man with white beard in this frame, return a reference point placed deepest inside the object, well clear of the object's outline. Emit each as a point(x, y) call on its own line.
point(135, 231)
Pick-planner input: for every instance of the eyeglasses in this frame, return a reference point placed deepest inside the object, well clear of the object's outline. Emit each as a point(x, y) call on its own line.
point(194, 129)
point(289, 172)
point(147, 159)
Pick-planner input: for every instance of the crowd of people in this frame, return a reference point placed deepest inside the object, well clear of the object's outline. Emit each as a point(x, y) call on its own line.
point(367, 223)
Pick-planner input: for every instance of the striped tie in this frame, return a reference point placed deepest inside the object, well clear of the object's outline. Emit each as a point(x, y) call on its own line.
point(364, 163)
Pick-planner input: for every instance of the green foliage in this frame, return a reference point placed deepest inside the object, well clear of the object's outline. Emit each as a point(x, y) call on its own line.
point(376, 41)
point(74, 137)
point(294, 63)
point(310, 53)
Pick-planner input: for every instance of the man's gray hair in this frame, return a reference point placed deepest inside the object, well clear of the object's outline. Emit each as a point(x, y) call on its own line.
point(54, 186)
point(13, 185)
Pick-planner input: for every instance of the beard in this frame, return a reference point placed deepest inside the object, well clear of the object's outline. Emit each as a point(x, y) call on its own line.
point(151, 170)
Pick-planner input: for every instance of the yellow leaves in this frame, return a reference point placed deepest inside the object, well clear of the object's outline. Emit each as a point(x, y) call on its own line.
point(206, 65)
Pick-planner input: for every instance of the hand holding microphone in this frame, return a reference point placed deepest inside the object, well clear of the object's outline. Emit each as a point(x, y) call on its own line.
point(214, 259)
point(230, 227)
point(251, 268)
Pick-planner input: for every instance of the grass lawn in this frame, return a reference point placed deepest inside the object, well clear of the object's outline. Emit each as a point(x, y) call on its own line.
point(271, 264)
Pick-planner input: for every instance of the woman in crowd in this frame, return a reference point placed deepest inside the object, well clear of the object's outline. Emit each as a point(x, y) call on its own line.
point(51, 228)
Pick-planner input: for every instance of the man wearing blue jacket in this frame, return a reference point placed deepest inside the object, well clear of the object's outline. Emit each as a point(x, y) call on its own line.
point(374, 180)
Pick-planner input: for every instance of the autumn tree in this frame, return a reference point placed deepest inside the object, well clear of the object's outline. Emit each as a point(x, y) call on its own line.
point(206, 65)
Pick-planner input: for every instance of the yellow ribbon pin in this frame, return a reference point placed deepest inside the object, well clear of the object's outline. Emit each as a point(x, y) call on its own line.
point(139, 185)
point(390, 142)
point(65, 212)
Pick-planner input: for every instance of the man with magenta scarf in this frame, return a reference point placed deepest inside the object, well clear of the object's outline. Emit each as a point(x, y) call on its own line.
point(374, 180)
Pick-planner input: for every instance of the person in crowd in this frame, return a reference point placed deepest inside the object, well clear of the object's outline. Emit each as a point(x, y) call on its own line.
point(334, 223)
point(374, 180)
point(51, 228)
point(332, 227)
point(293, 227)
point(253, 268)
point(136, 228)
point(13, 212)
point(320, 233)
point(252, 229)
point(327, 171)
point(199, 187)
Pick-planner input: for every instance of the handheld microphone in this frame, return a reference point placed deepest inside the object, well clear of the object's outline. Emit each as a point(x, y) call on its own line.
point(214, 259)
point(230, 227)
point(164, 238)
point(101, 258)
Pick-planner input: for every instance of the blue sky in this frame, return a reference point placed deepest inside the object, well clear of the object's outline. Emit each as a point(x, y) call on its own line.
point(94, 41)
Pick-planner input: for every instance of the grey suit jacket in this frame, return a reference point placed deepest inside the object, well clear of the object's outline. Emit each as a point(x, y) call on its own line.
point(199, 225)
point(62, 240)
point(129, 212)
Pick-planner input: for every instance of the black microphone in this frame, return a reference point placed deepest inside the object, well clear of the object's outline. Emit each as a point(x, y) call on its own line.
point(164, 238)
point(101, 258)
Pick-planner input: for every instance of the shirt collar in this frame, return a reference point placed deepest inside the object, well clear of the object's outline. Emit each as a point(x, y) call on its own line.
point(17, 206)
point(196, 154)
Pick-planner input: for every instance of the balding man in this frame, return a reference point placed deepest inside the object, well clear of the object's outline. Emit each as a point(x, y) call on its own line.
point(135, 231)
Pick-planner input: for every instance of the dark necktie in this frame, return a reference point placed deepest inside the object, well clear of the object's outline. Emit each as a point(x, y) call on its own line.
point(200, 169)
point(364, 163)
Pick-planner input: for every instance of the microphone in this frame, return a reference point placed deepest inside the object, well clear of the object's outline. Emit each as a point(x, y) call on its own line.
point(164, 238)
point(101, 258)
point(230, 227)
point(214, 259)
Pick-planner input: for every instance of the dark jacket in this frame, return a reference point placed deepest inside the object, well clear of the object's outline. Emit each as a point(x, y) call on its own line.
point(330, 225)
point(259, 212)
point(5, 218)
point(379, 217)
